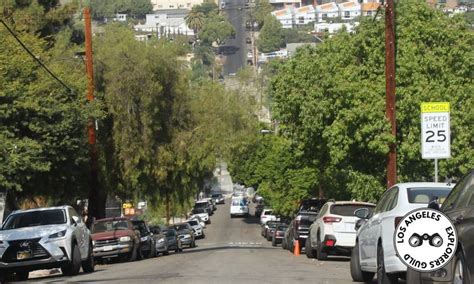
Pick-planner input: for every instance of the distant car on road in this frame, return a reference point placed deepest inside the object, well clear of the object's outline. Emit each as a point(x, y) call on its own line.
point(161, 242)
point(202, 213)
point(279, 233)
point(374, 251)
point(115, 237)
point(218, 198)
point(266, 226)
point(298, 229)
point(42, 238)
point(185, 234)
point(334, 231)
point(239, 207)
point(267, 215)
point(204, 204)
point(459, 207)
point(174, 243)
point(147, 242)
point(248, 40)
point(197, 228)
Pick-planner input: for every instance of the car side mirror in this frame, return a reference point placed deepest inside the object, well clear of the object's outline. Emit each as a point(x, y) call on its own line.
point(75, 220)
point(362, 213)
point(434, 203)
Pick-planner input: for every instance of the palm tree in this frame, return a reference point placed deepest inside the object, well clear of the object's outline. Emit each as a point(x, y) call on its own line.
point(195, 20)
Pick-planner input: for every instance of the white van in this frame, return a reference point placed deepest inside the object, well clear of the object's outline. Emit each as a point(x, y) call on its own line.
point(239, 206)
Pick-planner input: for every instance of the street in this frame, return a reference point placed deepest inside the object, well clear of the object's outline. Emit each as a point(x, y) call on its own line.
point(234, 49)
point(232, 252)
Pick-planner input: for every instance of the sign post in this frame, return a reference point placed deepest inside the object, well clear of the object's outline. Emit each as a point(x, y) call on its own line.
point(435, 132)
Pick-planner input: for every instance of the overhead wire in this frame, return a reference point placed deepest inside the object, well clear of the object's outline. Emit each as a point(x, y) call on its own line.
point(35, 57)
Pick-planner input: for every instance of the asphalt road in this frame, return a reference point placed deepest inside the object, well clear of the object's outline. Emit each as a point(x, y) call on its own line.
point(232, 252)
point(235, 49)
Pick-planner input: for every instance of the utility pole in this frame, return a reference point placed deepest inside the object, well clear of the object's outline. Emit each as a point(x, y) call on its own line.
point(94, 208)
point(390, 89)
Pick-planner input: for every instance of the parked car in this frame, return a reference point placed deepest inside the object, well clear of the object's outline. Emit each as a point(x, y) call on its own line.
point(279, 233)
point(266, 226)
point(197, 218)
point(267, 215)
point(204, 204)
point(248, 40)
point(218, 198)
point(197, 229)
point(201, 213)
point(259, 206)
point(147, 242)
point(333, 232)
point(161, 242)
point(374, 251)
point(185, 234)
point(115, 237)
point(239, 206)
point(459, 207)
point(41, 238)
point(312, 204)
point(174, 243)
point(298, 229)
point(212, 203)
point(271, 230)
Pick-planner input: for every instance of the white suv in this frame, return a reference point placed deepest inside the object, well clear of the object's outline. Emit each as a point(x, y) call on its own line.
point(44, 238)
point(374, 251)
point(333, 232)
point(267, 215)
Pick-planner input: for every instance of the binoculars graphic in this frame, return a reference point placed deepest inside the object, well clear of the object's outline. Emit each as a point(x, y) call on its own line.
point(434, 240)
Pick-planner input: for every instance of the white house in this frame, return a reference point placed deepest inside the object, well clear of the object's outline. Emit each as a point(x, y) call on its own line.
point(326, 12)
point(280, 4)
point(291, 17)
point(166, 22)
point(120, 17)
point(176, 4)
point(350, 10)
point(332, 28)
point(370, 9)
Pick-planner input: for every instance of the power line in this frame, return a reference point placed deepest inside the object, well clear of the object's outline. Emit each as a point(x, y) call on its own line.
point(34, 57)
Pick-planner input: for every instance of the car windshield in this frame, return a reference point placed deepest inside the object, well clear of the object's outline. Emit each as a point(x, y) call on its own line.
point(170, 233)
point(268, 212)
point(201, 205)
point(272, 225)
point(35, 218)
point(216, 195)
point(109, 225)
point(348, 209)
point(281, 227)
point(425, 194)
point(181, 227)
point(239, 202)
point(199, 211)
point(193, 223)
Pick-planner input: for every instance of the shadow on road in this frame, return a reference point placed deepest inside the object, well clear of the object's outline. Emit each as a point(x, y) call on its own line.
point(251, 220)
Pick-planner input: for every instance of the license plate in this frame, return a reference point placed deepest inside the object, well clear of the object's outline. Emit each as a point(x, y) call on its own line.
point(107, 248)
point(23, 255)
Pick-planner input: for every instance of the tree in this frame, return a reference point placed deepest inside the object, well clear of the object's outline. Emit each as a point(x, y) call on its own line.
point(195, 20)
point(270, 37)
point(216, 29)
point(106, 9)
point(263, 8)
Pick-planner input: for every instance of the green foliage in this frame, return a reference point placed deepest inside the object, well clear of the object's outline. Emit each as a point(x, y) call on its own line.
point(330, 105)
point(297, 36)
point(271, 35)
point(207, 8)
point(216, 29)
point(263, 8)
point(106, 9)
point(195, 20)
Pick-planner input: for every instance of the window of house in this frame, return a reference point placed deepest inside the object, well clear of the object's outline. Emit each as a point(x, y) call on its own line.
point(347, 14)
point(171, 6)
point(160, 6)
point(369, 13)
point(301, 20)
point(324, 16)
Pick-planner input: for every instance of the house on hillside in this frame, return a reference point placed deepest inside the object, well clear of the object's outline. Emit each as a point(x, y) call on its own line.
point(326, 12)
point(282, 4)
point(168, 23)
point(349, 10)
point(292, 17)
point(370, 9)
point(176, 4)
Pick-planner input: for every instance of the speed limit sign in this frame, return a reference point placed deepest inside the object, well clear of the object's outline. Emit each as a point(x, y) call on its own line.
point(435, 130)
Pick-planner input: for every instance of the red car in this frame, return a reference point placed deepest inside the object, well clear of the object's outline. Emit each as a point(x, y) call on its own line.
point(115, 238)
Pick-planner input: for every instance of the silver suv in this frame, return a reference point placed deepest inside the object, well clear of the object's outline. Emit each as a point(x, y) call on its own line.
point(43, 238)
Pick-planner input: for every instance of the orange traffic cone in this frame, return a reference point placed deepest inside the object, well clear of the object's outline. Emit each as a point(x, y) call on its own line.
point(296, 249)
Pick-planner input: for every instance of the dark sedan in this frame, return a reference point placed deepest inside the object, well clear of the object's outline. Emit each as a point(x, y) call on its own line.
point(278, 234)
point(459, 207)
point(271, 230)
point(161, 242)
point(147, 242)
point(173, 242)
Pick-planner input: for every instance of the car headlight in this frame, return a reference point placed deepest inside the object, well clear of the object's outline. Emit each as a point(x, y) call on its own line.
point(186, 236)
point(93, 243)
point(58, 235)
point(144, 239)
point(2, 245)
point(162, 240)
point(125, 239)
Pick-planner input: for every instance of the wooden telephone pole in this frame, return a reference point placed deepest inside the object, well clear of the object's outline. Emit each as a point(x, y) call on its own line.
point(94, 208)
point(390, 88)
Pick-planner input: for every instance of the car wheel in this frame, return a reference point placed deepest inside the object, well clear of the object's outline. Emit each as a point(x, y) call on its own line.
point(291, 246)
point(140, 255)
point(152, 251)
point(22, 276)
point(320, 253)
point(283, 243)
point(193, 244)
point(308, 249)
point(73, 267)
point(166, 252)
point(274, 244)
point(88, 265)
point(460, 270)
point(382, 276)
point(356, 272)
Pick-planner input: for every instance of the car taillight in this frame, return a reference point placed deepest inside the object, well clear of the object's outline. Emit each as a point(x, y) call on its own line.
point(330, 243)
point(329, 219)
point(397, 221)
